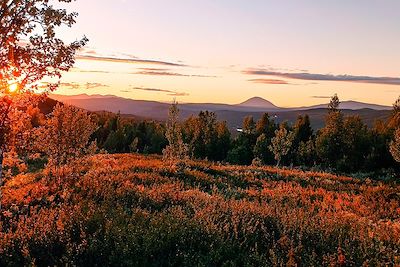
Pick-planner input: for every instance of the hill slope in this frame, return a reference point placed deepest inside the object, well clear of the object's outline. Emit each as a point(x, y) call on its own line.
point(131, 210)
point(233, 114)
point(354, 105)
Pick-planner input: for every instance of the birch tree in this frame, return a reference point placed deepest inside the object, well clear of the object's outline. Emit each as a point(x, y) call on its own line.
point(30, 52)
point(281, 144)
point(176, 150)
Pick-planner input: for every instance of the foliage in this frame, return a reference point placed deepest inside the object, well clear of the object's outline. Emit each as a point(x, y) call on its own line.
point(330, 140)
point(132, 210)
point(396, 106)
point(265, 130)
point(266, 126)
point(65, 135)
point(395, 146)
point(302, 129)
point(124, 135)
point(356, 144)
point(261, 151)
point(29, 53)
point(306, 154)
point(281, 143)
point(206, 137)
point(176, 151)
point(241, 151)
point(29, 48)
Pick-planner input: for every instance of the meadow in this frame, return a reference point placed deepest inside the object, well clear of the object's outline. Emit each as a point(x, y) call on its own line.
point(136, 210)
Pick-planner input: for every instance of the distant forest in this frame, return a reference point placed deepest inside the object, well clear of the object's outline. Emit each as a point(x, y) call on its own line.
point(345, 144)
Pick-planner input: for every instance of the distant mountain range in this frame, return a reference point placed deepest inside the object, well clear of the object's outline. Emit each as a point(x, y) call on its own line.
point(233, 114)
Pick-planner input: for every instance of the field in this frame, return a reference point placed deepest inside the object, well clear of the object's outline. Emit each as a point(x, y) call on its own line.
point(133, 210)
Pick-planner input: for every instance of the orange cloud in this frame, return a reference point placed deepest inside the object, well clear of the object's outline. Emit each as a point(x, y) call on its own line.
point(268, 81)
point(129, 60)
point(169, 92)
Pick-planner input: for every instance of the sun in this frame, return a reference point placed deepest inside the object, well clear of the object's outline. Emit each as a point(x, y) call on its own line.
point(13, 87)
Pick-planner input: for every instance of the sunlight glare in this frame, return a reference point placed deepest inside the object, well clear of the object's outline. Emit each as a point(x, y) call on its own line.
point(13, 87)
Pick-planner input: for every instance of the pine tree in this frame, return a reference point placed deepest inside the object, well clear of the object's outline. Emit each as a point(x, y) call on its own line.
point(330, 140)
point(266, 125)
point(334, 103)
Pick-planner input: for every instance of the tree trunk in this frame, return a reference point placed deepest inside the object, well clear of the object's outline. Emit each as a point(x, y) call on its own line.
point(1, 177)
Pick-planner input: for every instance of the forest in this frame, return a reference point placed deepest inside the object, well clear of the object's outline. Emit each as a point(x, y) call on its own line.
point(344, 145)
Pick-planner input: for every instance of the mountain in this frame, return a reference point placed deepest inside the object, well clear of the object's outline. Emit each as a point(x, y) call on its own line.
point(354, 105)
point(141, 108)
point(153, 109)
point(80, 96)
point(232, 114)
point(257, 102)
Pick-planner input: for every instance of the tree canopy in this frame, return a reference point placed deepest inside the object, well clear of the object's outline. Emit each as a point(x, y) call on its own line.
point(29, 47)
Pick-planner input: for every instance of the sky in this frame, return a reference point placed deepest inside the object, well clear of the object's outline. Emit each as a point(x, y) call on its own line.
point(291, 52)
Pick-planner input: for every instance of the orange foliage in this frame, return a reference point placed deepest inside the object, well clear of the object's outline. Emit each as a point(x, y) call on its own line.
point(259, 215)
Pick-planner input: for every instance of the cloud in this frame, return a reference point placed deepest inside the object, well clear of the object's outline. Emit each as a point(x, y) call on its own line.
point(129, 60)
point(91, 52)
point(156, 72)
point(87, 85)
point(153, 69)
point(325, 77)
point(151, 89)
point(178, 94)
point(160, 73)
point(145, 71)
point(70, 85)
point(95, 85)
point(89, 71)
point(169, 92)
point(268, 81)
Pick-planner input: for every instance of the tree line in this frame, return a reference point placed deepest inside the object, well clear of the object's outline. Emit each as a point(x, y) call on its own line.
point(344, 144)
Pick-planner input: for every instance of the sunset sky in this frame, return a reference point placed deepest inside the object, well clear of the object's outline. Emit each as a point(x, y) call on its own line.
point(293, 53)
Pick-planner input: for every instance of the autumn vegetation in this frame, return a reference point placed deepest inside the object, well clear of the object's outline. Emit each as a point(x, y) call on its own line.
point(128, 209)
point(97, 189)
point(345, 145)
point(66, 201)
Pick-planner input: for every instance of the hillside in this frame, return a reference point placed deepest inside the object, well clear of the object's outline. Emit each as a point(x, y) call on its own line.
point(354, 105)
point(233, 114)
point(131, 210)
